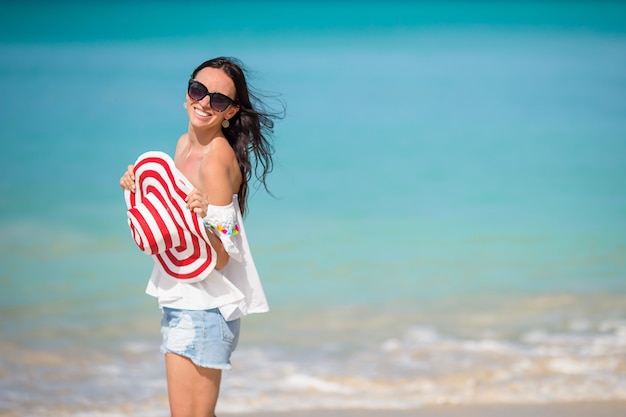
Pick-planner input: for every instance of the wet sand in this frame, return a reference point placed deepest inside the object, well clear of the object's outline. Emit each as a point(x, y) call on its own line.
point(582, 409)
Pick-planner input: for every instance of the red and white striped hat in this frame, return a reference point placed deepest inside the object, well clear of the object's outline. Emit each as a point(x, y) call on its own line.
point(162, 225)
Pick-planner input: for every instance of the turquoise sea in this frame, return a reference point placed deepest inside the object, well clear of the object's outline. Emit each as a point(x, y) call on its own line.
point(448, 222)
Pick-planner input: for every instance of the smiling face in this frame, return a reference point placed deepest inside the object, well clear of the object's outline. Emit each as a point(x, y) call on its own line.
point(200, 112)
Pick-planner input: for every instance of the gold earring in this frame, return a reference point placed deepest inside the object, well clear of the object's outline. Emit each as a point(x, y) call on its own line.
point(225, 123)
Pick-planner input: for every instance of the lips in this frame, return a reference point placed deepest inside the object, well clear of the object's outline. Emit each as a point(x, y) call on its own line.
point(200, 112)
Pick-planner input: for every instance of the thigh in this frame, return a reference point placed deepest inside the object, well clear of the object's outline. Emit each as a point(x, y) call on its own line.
point(192, 390)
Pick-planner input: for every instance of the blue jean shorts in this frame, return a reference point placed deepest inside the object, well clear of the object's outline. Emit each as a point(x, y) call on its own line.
point(200, 335)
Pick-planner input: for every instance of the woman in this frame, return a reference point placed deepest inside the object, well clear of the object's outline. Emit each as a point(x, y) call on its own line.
point(199, 334)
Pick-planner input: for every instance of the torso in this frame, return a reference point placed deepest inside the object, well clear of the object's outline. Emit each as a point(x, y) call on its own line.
point(191, 161)
point(189, 164)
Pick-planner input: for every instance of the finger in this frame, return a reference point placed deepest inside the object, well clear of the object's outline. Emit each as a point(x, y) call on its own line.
point(197, 207)
point(191, 196)
point(131, 172)
point(127, 182)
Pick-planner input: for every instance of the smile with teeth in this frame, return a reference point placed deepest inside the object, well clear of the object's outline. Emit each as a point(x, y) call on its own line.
point(200, 112)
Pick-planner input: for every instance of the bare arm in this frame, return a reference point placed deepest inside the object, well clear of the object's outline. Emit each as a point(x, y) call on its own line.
point(217, 182)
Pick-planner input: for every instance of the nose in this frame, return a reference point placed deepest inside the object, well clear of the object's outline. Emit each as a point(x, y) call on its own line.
point(206, 101)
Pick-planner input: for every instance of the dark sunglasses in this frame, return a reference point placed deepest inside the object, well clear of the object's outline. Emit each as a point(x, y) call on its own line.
point(218, 101)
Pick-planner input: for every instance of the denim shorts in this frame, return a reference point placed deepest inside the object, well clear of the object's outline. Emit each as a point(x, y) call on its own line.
point(200, 335)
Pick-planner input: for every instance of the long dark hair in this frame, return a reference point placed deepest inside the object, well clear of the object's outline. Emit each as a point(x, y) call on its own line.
point(250, 129)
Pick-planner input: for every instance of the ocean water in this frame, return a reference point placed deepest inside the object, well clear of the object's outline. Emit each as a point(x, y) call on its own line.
point(448, 222)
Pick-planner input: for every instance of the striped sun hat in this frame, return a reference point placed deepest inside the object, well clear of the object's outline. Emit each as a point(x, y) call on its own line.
point(162, 225)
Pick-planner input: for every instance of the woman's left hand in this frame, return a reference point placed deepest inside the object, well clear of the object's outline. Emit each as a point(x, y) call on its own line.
point(197, 202)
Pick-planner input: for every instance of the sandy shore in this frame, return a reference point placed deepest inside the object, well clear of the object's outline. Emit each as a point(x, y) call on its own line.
point(582, 409)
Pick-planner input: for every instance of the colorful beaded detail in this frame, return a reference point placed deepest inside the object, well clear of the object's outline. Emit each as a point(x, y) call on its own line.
point(233, 230)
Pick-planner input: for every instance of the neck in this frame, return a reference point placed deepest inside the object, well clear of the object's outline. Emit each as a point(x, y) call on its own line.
point(203, 137)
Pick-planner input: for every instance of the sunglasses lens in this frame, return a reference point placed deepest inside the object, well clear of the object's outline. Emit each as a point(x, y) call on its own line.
point(220, 102)
point(197, 91)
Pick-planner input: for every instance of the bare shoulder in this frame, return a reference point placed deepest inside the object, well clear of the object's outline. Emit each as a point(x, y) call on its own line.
point(220, 167)
point(221, 150)
point(221, 157)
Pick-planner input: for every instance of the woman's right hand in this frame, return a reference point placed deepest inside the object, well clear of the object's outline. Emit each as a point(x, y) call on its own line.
point(127, 182)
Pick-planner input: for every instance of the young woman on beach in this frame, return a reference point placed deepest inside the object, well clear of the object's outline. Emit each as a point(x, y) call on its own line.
point(227, 142)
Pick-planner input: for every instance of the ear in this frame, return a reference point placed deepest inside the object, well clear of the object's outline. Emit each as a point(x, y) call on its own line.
point(232, 111)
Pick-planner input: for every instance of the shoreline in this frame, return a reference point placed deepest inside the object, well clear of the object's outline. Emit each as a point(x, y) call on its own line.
point(608, 408)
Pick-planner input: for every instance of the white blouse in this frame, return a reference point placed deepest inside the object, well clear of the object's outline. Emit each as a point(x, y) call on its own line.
point(235, 289)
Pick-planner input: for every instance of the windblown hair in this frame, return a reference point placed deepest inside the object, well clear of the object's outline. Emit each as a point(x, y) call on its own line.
point(250, 129)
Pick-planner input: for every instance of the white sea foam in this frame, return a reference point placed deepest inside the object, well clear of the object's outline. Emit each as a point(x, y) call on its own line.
point(425, 366)
point(421, 365)
point(304, 382)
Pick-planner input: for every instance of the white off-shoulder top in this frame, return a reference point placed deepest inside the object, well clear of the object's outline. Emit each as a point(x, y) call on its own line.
point(235, 289)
